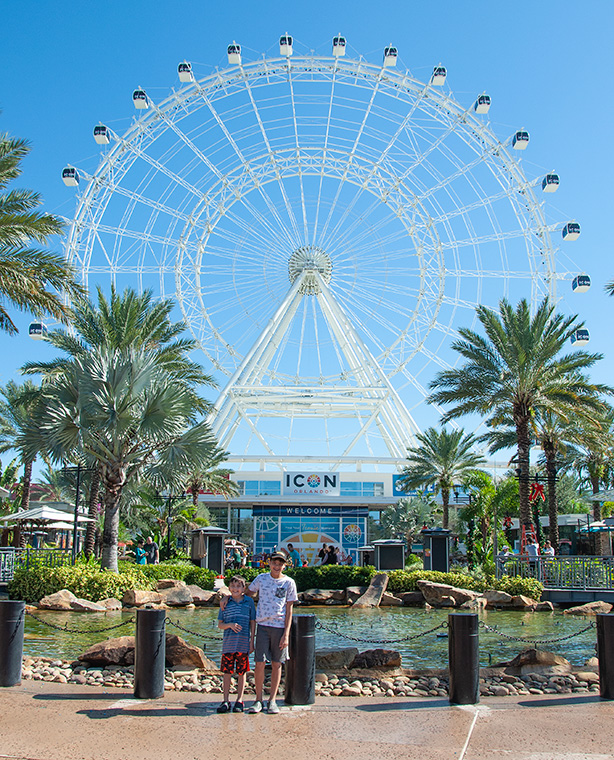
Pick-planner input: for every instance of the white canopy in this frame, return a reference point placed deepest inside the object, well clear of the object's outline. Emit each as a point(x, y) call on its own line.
point(42, 514)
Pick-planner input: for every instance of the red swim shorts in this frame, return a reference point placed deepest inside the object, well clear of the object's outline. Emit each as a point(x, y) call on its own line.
point(241, 659)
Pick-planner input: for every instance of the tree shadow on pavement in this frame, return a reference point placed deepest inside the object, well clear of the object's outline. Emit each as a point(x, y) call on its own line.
point(589, 699)
point(197, 709)
point(413, 705)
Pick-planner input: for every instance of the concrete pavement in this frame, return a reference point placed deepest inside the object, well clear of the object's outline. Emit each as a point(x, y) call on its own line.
point(52, 721)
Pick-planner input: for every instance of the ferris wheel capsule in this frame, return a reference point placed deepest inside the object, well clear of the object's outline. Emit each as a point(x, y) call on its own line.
point(70, 176)
point(581, 283)
point(185, 72)
point(234, 54)
point(338, 46)
point(285, 45)
point(482, 104)
point(571, 231)
point(520, 140)
point(439, 76)
point(139, 98)
point(580, 337)
point(390, 57)
point(101, 134)
point(37, 331)
point(550, 183)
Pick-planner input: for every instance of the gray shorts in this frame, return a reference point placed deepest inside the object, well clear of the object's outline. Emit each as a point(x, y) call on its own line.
point(267, 645)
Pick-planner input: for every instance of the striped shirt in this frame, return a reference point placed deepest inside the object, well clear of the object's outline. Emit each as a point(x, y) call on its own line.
point(237, 612)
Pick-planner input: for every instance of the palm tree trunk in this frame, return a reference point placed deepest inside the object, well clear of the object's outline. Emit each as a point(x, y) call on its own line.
point(92, 513)
point(27, 483)
point(524, 445)
point(113, 477)
point(445, 498)
point(553, 507)
point(600, 538)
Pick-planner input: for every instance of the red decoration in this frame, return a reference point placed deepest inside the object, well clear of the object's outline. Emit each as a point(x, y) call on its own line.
point(537, 492)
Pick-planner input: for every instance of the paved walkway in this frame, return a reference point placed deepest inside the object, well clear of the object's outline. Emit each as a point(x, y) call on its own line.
point(50, 721)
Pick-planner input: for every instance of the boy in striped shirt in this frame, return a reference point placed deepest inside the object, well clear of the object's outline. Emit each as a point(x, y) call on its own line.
point(238, 621)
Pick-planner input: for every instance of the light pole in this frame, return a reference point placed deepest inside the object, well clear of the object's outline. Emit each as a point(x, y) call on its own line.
point(78, 471)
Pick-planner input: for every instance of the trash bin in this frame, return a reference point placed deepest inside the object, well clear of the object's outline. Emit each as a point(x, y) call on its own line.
point(389, 554)
point(436, 549)
point(207, 548)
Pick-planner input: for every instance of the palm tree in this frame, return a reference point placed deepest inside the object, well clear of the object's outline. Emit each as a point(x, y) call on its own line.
point(514, 370)
point(127, 412)
point(211, 478)
point(27, 272)
point(441, 459)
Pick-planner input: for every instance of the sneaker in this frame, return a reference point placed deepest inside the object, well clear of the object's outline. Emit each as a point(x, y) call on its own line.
point(255, 708)
point(224, 707)
point(239, 707)
point(272, 707)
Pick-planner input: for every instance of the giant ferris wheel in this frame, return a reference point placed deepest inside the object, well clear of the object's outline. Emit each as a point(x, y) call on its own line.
point(324, 224)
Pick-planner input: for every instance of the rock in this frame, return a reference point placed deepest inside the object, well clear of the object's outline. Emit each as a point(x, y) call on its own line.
point(220, 594)
point(587, 676)
point(200, 595)
point(377, 658)
point(118, 651)
point(590, 608)
point(322, 596)
point(166, 583)
point(592, 664)
point(352, 593)
point(137, 598)
point(499, 691)
point(351, 691)
point(373, 595)
point(179, 652)
point(84, 605)
point(111, 604)
point(442, 595)
point(536, 661)
point(523, 602)
point(411, 598)
point(479, 603)
point(497, 598)
point(61, 600)
point(335, 659)
point(176, 596)
point(544, 607)
point(390, 600)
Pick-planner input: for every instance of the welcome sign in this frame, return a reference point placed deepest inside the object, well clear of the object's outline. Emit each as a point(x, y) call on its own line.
point(309, 483)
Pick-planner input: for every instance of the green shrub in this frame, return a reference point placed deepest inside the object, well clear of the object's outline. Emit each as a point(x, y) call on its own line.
point(168, 569)
point(331, 576)
point(85, 581)
point(526, 586)
point(249, 573)
point(200, 576)
point(406, 580)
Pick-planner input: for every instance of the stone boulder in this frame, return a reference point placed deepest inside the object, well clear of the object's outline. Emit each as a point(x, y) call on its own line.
point(544, 607)
point(411, 598)
point(111, 604)
point(443, 595)
point(136, 598)
point(373, 595)
point(120, 651)
point(200, 595)
point(61, 600)
point(352, 593)
point(377, 658)
point(479, 603)
point(497, 598)
point(390, 600)
point(178, 595)
point(166, 583)
point(335, 659)
point(521, 602)
point(322, 596)
point(591, 608)
point(84, 605)
point(537, 661)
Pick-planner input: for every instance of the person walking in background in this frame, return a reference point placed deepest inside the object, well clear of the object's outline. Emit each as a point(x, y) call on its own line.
point(294, 556)
point(238, 621)
point(152, 551)
point(548, 549)
point(323, 554)
point(139, 553)
point(333, 559)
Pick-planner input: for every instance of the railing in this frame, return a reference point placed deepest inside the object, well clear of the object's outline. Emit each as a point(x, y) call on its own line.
point(573, 572)
point(11, 559)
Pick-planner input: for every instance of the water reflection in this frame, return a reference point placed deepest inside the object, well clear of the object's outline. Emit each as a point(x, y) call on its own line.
point(377, 626)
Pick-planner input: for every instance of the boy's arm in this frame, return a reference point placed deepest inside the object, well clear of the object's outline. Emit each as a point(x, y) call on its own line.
point(252, 637)
point(283, 642)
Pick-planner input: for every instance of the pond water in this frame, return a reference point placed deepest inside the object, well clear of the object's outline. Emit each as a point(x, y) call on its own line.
point(374, 628)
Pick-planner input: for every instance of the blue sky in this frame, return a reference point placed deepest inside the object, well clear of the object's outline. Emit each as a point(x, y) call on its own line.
point(69, 65)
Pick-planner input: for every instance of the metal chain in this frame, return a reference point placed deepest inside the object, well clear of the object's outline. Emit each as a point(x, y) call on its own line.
point(77, 630)
point(17, 626)
point(380, 641)
point(497, 632)
point(193, 633)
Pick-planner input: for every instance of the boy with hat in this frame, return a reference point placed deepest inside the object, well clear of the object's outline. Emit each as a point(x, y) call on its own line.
point(276, 595)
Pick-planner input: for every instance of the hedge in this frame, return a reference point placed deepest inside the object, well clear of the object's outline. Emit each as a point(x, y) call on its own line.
point(404, 580)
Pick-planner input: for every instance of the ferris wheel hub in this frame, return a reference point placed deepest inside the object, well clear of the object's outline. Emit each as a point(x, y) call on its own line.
point(310, 259)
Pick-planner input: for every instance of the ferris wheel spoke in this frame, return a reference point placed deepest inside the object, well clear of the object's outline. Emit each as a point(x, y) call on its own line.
point(298, 157)
point(324, 152)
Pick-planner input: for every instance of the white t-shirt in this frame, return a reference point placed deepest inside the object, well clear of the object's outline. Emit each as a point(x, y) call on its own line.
point(532, 550)
point(273, 593)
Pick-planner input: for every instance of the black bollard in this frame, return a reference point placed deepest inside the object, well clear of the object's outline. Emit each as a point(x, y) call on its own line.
point(605, 652)
point(300, 686)
point(150, 654)
point(12, 619)
point(464, 659)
